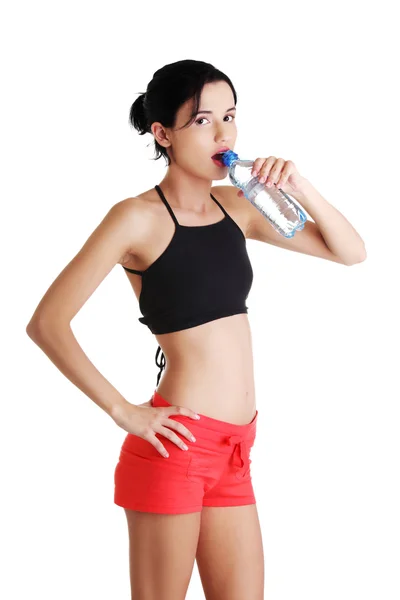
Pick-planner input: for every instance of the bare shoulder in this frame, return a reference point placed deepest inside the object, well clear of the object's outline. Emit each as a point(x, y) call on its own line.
point(134, 207)
point(238, 208)
point(144, 205)
point(137, 211)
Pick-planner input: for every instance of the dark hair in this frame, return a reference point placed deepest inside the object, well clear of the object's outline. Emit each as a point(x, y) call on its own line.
point(170, 88)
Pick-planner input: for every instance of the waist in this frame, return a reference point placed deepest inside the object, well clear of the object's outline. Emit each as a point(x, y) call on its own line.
point(216, 426)
point(222, 400)
point(211, 371)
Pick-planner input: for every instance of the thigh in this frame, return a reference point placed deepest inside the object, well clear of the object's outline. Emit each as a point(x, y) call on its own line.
point(230, 555)
point(162, 551)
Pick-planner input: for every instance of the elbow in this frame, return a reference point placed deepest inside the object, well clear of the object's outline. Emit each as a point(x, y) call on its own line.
point(34, 328)
point(359, 259)
point(31, 328)
point(41, 327)
point(363, 254)
point(355, 262)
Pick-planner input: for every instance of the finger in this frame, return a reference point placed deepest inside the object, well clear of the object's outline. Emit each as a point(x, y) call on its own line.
point(182, 410)
point(154, 441)
point(172, 437)
point(148, 403)
point(257, 164)
point(181, 428)
point(266, 168)
point(284, 176)
point(274, 173)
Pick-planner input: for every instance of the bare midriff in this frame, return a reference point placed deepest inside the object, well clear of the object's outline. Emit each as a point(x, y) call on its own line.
point(209, 369)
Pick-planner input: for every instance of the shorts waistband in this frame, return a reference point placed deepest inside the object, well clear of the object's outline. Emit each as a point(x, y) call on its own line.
point(246, 430)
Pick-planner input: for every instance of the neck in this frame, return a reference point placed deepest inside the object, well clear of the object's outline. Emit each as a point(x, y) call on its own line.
point(186, 191)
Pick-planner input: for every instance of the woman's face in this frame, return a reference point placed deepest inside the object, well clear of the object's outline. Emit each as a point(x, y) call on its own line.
point(192, 147)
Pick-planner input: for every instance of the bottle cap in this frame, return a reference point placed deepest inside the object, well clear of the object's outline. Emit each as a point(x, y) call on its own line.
point(229, 157)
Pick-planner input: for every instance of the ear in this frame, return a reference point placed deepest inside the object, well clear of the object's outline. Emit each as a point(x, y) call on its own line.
point(160, 134)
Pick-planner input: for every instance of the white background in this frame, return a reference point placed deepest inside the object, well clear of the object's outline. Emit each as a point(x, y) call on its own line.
point(316, 84)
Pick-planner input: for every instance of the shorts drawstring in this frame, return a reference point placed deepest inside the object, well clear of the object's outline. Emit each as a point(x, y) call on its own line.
point(240, 443)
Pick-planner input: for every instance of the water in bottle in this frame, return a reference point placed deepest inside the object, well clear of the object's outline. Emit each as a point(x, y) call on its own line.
point(280, 209)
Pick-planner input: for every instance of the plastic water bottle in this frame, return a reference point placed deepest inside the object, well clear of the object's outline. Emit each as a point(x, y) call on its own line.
point(280, 209)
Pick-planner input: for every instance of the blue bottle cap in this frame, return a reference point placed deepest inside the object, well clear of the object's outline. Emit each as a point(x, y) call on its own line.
point(228, 157)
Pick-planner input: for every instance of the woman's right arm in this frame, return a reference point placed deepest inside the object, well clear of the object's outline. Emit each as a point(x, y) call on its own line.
point(50, 325)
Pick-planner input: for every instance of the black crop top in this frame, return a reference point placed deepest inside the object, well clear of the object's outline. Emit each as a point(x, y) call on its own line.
point(203, 274)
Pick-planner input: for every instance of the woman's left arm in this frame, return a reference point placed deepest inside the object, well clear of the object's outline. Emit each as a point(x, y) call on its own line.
point(340, 237)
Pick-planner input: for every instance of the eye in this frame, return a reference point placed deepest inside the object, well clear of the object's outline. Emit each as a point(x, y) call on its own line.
point(201, 119)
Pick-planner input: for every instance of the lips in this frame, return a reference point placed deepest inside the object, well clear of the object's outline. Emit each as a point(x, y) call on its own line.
point(221, 151)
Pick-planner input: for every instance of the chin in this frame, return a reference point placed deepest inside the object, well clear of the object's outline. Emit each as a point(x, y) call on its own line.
point(221, 176)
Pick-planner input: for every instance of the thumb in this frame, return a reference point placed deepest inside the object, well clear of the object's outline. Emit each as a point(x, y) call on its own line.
point(148, 403)
point(240, 194)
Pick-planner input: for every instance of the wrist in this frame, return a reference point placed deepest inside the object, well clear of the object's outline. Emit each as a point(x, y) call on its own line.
point(303, 188)
point(119, 408)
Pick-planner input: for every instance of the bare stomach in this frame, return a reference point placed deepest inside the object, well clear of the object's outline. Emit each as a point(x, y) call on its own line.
point(209, 369)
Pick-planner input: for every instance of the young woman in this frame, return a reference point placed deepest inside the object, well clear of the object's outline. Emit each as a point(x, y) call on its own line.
point(182, 245)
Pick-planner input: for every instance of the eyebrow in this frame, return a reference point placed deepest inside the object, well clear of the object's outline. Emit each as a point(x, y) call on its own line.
point(209, 112)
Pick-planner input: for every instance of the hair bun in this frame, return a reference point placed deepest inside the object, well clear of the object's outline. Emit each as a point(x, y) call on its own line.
point(137, 114)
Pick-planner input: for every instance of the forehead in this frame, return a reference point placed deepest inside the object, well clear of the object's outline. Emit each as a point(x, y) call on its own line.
point(216, 96)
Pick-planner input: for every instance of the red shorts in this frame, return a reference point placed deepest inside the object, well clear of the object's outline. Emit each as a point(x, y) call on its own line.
point(214, 471)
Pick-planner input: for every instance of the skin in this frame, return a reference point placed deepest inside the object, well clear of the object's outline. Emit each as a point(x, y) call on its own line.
point(195, 375)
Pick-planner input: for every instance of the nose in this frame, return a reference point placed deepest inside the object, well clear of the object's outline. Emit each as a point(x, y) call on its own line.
point(223, 137)
point(224, 134)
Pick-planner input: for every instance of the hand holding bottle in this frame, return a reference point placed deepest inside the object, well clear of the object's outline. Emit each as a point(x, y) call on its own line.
point(280, 210)
point(276, 171)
